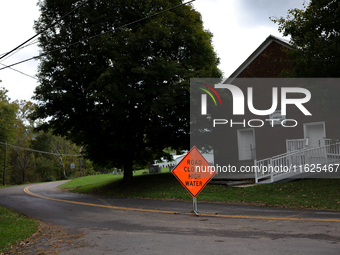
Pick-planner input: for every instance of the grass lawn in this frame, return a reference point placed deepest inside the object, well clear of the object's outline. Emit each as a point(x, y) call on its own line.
point(7, 186)
point(14, 227)
point(312, 194)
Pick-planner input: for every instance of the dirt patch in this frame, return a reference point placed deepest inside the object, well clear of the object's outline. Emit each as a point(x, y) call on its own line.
point(48, 240)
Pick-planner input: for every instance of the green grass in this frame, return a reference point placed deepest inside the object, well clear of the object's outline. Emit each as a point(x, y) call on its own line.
point(14, 227)
point(7, 186)
point(312, 194)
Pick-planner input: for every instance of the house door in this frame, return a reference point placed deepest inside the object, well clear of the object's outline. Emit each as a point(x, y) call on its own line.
point(316, 134)
point(246, 144)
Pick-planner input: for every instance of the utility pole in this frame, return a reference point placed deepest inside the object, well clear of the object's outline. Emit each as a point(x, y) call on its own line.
point(80, 170)
point(4, 178)
point(80, 166)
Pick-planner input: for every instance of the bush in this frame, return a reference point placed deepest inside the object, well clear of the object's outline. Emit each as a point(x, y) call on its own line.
point(50, 179)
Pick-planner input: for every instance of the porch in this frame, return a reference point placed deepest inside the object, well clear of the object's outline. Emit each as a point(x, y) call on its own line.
point(300, 161)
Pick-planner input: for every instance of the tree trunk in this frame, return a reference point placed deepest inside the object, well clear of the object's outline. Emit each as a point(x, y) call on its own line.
point(127, 171)
point(24, 171)
point(64, 172)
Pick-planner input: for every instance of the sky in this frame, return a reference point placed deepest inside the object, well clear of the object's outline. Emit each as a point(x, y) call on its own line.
point(238, 28)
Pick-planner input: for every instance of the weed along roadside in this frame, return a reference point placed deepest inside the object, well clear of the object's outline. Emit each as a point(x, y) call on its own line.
point(316, 194)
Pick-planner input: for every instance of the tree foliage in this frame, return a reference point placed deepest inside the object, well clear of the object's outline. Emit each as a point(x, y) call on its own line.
point(122, 96)
point(59, 146)
point(8, 123)
point(7, 117)
point(17, 135)
point(315, 37)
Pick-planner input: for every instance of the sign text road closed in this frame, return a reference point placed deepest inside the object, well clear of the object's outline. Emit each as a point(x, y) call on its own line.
point(193, 172)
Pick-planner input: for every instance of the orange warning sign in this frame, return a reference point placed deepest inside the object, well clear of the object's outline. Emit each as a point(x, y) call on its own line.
point(193, 172)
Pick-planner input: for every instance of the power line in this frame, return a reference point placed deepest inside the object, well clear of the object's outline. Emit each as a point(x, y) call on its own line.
point(8, 56)
point(44, 30)
point(20, 72)
point(95, 36)
point(44, 152)
point(22, 47)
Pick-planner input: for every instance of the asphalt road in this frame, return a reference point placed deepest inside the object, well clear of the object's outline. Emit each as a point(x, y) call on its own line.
point(97, 225)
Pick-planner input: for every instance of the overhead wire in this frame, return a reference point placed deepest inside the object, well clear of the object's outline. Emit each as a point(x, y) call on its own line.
point(6, 55)
point(20, 72)
point(34, 42)
point(95, 36)
point(44, 152)
point(17, 50)
point(22, 47)
point(51, 25)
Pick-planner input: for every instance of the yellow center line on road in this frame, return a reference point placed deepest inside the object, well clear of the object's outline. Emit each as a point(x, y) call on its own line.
point(26, 190)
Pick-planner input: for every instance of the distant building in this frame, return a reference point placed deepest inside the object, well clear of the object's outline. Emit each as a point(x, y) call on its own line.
point(209, 156)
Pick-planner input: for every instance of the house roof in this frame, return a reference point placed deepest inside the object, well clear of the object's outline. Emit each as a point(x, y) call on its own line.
point(257, 52)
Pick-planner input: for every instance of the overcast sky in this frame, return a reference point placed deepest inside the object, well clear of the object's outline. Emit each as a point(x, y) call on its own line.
point(238, 27)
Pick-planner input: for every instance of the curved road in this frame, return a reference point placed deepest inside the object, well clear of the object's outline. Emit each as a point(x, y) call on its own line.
point(99, 225)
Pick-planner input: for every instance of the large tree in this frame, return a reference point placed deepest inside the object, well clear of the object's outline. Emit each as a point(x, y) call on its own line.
point(122, 96)
point(315, 36)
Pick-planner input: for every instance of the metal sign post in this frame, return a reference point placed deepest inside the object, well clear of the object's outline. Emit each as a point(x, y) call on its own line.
point(72, 167)
point(194, 206)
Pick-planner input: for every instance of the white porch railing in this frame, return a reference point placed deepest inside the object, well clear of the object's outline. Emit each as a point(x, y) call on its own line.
point(297, 162)
point(296, 144)
point(253, 152)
